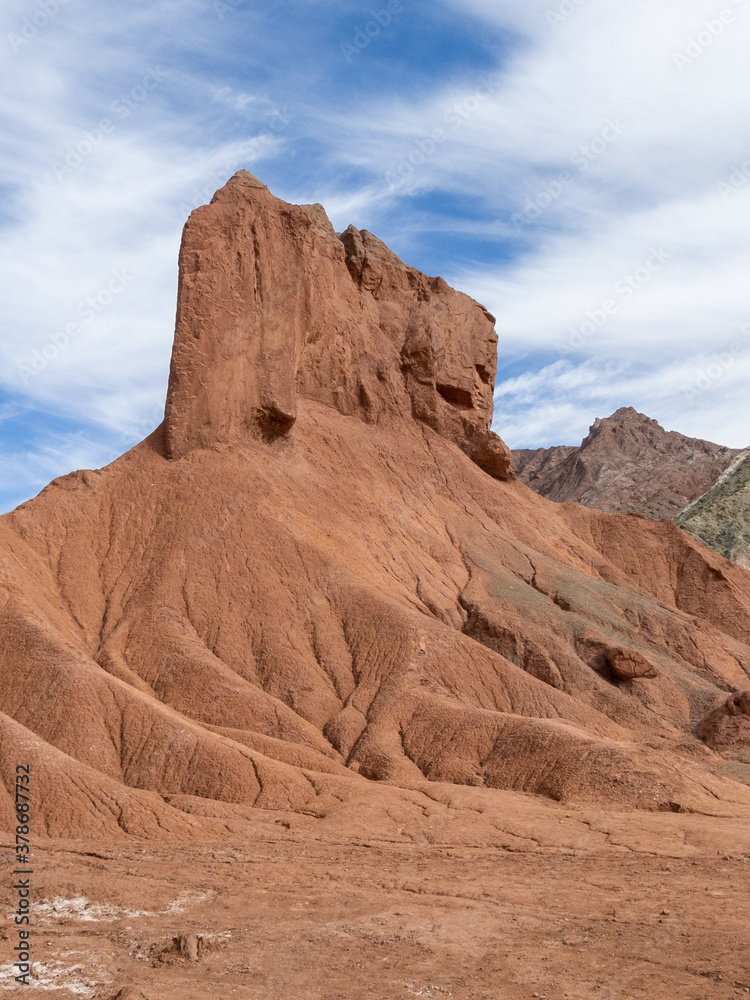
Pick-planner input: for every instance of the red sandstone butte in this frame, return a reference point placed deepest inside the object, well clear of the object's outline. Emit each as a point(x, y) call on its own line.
point(274, 307)
point(308, 681)
point(321, 565)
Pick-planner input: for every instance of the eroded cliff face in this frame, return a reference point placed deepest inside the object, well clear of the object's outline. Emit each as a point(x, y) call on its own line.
point(273, 306)
point(721, 517)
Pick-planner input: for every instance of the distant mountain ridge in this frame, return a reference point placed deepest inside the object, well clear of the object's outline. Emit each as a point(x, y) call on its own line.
point(628, 463)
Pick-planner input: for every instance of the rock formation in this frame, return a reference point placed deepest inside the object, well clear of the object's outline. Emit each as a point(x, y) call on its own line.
point(627, 464)
point(317, 583)
point(721, 517)
point(273, 306)
point(727, 727)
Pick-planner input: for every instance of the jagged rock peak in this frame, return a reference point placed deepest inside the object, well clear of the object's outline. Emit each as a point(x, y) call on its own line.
point(626, 415)
point(245, 177)
point(628, 463)
point(274, 306)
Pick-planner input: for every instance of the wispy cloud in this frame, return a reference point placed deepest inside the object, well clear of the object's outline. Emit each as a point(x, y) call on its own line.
point(438, 135)
point(671, 184)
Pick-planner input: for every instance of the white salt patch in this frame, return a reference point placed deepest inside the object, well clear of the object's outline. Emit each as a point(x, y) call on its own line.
point(80, 980)
point(80, 908)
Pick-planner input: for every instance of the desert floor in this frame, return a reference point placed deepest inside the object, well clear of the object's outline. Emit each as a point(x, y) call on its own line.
point(576, 903)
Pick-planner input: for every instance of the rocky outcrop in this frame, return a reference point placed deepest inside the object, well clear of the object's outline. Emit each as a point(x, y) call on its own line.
point(274, 306)
point(727, 727)
point(721, 517)
point(627, 464)
point(305, 581)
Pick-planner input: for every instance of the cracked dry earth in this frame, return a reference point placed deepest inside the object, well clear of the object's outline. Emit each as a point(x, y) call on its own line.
point(531, 900)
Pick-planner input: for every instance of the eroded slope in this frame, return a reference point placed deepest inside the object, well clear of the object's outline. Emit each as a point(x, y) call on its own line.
point(319, 574)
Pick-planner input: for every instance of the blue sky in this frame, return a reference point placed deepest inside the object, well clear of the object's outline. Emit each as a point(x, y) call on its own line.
point(580, 166)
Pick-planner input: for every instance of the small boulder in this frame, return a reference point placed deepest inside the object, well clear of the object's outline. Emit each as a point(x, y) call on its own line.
point(628, 665)
point(727, 726)
point(738, 704)
point(190, 947)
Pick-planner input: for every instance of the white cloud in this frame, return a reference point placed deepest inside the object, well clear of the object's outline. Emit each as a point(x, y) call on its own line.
point(676, 180)
point(26, 471)
point(500, 139)
point(699, 396)
point(99, 191)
